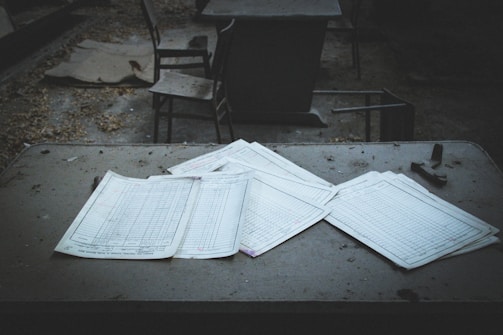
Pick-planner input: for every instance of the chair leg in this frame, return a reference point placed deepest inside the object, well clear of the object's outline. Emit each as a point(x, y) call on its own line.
point(217, 127)
point(207, 66)
point(157, 68)
point(223, 112)
point(170, 119)
point(367, 126)
point(367, 119)
point(229, 123)
point(353, 50)
point(358, 71)
point(356, 55)
point(157, 112)
point(156, 77)
point(228, 117)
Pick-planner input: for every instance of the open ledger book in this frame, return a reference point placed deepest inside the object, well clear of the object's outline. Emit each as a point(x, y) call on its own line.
point(245, 197)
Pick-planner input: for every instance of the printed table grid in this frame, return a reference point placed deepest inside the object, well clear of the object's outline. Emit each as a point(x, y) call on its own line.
point(421, 229)
point(269, 224)
point(141, 200)
point(202, 225)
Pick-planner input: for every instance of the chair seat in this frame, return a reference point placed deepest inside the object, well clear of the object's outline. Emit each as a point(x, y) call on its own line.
point(341, 23)
point(197, 43)
point(184, 86)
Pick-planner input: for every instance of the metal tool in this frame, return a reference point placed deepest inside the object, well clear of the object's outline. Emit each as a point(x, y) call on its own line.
point(426, 167)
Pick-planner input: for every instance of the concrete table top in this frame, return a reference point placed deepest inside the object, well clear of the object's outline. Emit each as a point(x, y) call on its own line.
point(321, 270)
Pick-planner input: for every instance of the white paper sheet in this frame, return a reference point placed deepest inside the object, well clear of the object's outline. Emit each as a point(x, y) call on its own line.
point(210, 161)
point(274, 215)
point(402, 222)
point(215, 227)
point(251, 153)
point(130, 218)
point(480, 243)
point(311, 191)
point(284, 200)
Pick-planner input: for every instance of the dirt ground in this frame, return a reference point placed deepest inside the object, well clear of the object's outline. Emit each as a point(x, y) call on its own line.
point(448, 63)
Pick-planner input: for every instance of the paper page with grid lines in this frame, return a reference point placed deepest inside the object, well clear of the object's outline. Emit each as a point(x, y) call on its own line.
point(159, 217)
point(253, 153)
point(130, 218)
point(401, 222)
point(275, 215)
point(216, 224)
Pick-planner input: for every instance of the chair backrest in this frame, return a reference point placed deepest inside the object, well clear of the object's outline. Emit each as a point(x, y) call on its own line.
point(6, 22)
point(222, 50)
point(148, 10)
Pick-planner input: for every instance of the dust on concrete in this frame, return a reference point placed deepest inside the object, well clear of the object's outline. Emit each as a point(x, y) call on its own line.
point(449, 69)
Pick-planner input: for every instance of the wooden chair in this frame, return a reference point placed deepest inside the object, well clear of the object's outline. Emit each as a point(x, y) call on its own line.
point(173, 85)
point(348, 24)
point(396, 115)
point(196, 49)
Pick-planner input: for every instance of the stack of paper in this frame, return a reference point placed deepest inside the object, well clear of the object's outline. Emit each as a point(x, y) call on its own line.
point(199, 212)
point(245, 197)
point(160, 217)
point(403, 221)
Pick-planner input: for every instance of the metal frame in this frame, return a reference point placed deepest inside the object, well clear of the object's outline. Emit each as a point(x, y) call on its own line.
point(396, 114)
